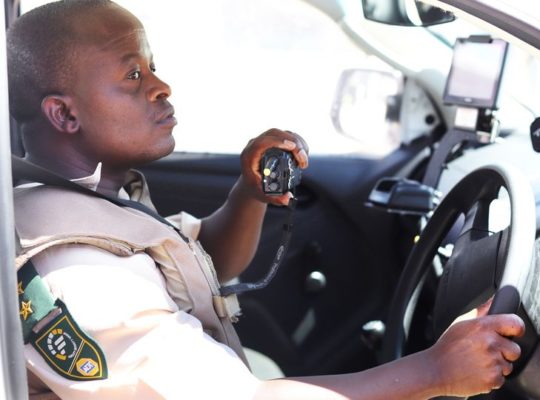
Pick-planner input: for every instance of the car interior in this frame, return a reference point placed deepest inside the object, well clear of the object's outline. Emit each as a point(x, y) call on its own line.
point(385, 251)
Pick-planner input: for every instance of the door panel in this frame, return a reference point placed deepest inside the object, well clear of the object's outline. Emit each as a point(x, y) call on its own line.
point(306, 328)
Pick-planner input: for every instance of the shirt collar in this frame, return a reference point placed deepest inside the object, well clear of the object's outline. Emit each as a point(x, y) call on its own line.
point(91, 181)
point(135, 187)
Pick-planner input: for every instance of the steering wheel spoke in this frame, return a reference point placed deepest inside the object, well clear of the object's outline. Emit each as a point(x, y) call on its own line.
point(471, 273)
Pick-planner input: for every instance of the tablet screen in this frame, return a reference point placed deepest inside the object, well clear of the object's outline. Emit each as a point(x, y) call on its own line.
point(475, 74)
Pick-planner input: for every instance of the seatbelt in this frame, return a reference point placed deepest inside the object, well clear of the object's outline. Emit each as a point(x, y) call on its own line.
point(24, 169)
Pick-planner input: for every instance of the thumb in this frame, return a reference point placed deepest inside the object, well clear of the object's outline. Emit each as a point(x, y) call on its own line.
point(480, 311)
point(483, 309)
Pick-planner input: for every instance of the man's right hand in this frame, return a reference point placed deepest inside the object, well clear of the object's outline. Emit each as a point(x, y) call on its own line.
point(474, 356)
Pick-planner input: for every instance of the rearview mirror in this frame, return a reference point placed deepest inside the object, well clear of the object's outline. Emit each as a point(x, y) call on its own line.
point(405, 12)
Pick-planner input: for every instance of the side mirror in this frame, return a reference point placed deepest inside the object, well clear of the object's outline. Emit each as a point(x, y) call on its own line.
point(405, 12)
point(367, 105)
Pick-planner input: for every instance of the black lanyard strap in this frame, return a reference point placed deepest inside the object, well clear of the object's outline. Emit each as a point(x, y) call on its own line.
point(278, 258)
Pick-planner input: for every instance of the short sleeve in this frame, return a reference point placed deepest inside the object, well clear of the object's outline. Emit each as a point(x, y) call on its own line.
point(187, 223)
point(153, 350)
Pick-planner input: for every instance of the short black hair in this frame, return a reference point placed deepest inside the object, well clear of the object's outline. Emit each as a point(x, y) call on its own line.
point(41, 45)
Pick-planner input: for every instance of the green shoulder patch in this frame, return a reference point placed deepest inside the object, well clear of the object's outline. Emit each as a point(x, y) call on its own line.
point(68, 350)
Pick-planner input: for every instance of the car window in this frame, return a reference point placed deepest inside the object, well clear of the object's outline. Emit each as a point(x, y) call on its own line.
point(239, 67)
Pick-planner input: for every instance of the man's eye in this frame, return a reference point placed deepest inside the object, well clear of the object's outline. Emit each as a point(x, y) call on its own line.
point(135, 75)
point(153, 68)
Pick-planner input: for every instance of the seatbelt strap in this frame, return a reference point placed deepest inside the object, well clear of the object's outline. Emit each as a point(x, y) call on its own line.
point(49, 327)
point(31, 172)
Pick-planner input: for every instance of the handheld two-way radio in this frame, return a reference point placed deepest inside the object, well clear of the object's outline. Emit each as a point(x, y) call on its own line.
point(280, 172)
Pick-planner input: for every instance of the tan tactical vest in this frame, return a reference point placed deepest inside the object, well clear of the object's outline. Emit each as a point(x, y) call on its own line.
point(48, 216)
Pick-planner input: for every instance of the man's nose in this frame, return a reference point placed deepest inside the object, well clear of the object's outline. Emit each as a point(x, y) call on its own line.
point(158, 89)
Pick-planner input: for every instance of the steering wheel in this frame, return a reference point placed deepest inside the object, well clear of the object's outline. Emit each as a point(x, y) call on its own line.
point(481, 262)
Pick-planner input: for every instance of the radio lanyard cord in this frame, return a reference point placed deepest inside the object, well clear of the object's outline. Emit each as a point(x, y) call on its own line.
point(278, 258)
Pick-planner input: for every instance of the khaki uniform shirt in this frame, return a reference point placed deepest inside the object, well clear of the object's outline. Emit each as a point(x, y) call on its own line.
point(153, 349)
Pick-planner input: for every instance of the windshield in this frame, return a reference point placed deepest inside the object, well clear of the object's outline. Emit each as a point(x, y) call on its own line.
point(518, 103)
point(525, 10)
point(237, 67)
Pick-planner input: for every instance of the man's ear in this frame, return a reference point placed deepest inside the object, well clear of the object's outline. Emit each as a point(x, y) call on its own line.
point(57, 109)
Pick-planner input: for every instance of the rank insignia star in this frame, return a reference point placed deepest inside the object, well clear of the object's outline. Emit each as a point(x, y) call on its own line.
point(20, 289)
point(26, 309)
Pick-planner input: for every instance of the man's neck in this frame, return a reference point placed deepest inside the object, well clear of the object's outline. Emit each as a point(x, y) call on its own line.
point(110, 181)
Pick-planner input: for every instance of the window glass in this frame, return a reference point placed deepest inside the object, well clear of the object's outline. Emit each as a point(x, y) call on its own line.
point(239, 67)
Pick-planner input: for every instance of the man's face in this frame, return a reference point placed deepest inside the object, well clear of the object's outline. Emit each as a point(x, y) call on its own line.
point(121, 105)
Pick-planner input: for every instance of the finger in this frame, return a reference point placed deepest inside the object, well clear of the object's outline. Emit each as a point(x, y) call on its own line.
point(506, 368)
point(285, 140)
point(498, 382)
point(484, 308)
point(282, 200)
point(300, 139)
point(288, 145)
point(467, 316)
point(299, 152)
point(302, 158)
point(509, 325)
point(510, 350)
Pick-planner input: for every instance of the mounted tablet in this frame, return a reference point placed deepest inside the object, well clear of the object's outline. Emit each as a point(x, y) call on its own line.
point(475, 74)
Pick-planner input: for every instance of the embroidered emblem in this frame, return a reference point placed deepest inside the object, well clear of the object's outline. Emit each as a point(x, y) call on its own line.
point(61, 345)
point(87, 367)
point(49, 327)
point(26, 309)
point(70, 351)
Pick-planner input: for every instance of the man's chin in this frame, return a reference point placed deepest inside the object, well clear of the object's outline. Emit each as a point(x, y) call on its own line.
point(172, 144)
point(165, 148)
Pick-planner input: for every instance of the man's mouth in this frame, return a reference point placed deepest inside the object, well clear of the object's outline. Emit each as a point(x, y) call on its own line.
point(167, 118)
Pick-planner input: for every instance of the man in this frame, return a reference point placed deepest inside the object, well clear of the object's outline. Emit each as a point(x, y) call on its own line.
point(134, 308)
